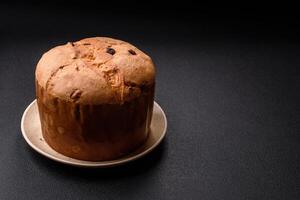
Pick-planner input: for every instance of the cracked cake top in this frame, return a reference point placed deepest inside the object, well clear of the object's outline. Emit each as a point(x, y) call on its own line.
point(95, 71)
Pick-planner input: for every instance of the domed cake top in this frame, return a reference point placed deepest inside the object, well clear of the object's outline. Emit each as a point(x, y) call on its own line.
point(95, 71)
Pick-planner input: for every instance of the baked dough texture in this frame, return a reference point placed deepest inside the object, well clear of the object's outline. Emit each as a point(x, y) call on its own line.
point(95, 98)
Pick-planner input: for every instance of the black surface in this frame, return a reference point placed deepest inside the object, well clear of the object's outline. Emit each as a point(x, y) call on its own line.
point(228, 84)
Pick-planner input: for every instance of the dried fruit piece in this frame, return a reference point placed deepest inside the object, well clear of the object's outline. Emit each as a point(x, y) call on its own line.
point(131, 52)
point(110, 51)
point(75, 95)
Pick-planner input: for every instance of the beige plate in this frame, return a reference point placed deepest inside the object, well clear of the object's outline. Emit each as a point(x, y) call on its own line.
point(31, 130)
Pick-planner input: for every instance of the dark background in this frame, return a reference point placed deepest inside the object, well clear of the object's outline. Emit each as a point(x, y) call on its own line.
point(227, 78)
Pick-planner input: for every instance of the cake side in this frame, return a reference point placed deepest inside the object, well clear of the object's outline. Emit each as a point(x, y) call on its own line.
point(94, 132)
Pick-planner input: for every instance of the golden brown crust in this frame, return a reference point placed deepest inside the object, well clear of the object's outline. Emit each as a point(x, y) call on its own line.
point(95, 98)
point(94, 72)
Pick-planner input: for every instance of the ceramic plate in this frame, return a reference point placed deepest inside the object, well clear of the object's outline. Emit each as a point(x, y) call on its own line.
point(31, 130)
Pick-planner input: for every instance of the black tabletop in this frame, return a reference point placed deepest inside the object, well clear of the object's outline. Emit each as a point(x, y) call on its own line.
point(229, 87)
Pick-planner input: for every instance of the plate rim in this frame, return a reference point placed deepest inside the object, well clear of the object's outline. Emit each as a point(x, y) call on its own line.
point(94, 164)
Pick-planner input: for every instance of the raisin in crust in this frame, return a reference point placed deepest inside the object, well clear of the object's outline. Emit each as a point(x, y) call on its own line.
point(95, 98)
